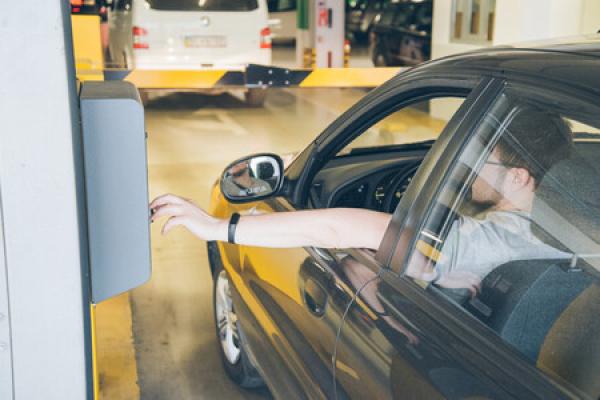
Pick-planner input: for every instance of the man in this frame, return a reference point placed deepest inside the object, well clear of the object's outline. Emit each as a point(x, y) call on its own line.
point(533, 142)
point(506, 183)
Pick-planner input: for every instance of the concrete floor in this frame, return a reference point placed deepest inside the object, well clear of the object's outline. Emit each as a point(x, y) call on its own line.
point(191, 139)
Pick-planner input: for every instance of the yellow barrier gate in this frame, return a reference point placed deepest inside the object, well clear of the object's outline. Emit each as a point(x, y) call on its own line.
point(254, 76)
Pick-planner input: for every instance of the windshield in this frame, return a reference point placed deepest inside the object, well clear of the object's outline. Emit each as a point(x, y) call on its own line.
point(203, 5)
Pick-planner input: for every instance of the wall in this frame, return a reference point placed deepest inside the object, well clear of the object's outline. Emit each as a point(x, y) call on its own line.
point(520, 21)
point(517, 21)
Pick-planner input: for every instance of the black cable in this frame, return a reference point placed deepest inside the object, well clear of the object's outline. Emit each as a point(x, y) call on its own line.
point(339, 332)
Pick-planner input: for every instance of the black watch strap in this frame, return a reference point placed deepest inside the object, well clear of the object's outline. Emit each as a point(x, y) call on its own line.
point(233, 221)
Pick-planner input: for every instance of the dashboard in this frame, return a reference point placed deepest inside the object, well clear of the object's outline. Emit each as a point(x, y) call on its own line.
point(375, 181)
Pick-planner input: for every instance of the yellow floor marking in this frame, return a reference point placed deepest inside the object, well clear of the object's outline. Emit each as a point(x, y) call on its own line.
point(96, 382)
point(117, 369)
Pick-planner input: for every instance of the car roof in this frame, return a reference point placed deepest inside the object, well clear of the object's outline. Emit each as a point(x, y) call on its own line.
point(574, 61)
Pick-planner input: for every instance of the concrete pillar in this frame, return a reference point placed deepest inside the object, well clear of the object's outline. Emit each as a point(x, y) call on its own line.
point(321, 28)
point(43, 270)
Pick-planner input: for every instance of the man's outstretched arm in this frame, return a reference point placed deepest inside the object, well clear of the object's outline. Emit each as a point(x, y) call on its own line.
point(327, 228)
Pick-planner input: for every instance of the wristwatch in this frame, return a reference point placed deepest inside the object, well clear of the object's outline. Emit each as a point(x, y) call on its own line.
point(233, 221)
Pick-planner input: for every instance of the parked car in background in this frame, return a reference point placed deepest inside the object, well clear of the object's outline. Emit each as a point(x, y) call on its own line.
point(282, 20)
point(401, 33)
point(352, 323)
point(191, 34)
point(359, 18)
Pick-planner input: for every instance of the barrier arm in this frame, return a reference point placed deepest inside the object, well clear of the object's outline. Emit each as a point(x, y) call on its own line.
point(255, 76)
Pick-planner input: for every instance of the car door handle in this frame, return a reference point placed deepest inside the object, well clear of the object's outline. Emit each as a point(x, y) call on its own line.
point(315, 297)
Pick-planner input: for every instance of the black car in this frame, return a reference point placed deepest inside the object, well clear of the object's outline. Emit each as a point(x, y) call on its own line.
point(356, 323)
point(359, 17)
point(401, 34)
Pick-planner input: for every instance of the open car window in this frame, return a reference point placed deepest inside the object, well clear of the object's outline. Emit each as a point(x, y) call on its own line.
point(419, 122)
point(514, 235)
point(375, 169)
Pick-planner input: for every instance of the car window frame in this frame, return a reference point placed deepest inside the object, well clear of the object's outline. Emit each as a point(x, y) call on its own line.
point(357, 118)
point(456, 319)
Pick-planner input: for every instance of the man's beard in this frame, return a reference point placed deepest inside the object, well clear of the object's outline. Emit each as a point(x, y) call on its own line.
point(491, 195)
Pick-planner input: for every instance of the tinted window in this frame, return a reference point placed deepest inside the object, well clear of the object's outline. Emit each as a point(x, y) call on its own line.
point(423, 16)
point(203, 5)
point(514, 235)
point(404, 15)
point(281, 5)
point(388, 14)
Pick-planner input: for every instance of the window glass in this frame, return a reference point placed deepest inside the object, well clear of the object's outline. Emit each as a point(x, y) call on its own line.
point(203, 5)
point(420, 122)
point(281, 5)
point(424, 16)
point(388, 14)
point(514, 235)
point(404, 15)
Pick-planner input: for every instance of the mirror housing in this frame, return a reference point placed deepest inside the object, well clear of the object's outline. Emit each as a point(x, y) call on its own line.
point(253, 178)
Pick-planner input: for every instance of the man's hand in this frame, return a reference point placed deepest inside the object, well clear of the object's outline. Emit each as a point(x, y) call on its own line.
point(460, 280)
point(184, 212)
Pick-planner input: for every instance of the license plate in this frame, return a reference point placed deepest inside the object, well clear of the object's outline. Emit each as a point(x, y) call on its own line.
point(205, 41)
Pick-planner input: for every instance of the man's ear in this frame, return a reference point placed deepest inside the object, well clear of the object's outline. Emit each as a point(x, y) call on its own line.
point(520, 177)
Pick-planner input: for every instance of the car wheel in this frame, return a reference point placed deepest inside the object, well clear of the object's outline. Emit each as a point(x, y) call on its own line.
point(229, 334)
point(256, 97)
point(379, 58)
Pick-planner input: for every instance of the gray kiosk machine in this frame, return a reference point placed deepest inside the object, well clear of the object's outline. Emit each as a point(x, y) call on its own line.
point(116, 187)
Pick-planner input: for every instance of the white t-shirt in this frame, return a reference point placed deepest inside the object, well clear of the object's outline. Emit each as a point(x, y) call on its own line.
point(480, 245)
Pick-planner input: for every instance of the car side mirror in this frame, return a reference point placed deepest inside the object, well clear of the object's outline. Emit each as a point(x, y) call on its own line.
point(252, 178)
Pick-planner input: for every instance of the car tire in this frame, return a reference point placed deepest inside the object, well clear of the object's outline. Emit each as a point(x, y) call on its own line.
point(256, 97)
point(378, 57)
point(230, 338)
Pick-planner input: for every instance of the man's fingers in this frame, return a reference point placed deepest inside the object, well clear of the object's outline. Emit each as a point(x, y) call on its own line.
point(167, 211)
point(166, 199)
point(171, 223)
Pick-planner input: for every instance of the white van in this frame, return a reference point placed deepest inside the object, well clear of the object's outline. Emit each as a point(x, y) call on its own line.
point(282, 20)
point(192, 34)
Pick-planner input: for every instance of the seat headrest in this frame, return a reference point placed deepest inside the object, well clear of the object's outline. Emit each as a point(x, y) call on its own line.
point(567, 206)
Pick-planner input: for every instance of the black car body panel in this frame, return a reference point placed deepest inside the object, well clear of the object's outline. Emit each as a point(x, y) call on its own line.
point(324, 339)
point(401, 34)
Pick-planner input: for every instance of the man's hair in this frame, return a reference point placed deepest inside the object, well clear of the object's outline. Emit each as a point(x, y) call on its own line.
point(535, 140)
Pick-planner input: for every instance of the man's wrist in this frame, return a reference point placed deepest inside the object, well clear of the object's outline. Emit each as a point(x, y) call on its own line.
point(222, 230)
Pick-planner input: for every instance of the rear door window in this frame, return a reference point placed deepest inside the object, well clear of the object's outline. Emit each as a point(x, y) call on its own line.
point(203, 5)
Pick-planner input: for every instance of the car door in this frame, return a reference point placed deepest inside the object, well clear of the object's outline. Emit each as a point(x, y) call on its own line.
point(408, 336)
point(296, 301)
point(298, 296)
